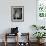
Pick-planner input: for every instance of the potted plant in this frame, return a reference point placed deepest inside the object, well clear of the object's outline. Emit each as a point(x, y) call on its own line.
point(39, 35)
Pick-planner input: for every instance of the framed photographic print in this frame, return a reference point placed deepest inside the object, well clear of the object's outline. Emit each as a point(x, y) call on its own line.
point(17, 13)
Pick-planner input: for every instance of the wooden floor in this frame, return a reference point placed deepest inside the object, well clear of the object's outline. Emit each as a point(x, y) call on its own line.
point(13, 44)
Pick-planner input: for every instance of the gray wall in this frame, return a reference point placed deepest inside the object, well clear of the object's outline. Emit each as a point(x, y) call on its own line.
point(29, 15)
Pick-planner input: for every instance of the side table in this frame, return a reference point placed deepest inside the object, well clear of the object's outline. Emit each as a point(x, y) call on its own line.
point(8, 34)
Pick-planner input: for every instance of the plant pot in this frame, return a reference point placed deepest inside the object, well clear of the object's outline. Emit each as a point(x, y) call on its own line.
point(40, 41)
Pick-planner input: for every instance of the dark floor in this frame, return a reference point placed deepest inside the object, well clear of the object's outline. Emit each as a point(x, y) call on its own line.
point(13, 44)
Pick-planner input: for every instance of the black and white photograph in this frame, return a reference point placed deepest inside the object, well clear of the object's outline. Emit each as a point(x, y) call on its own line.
point(17, 13)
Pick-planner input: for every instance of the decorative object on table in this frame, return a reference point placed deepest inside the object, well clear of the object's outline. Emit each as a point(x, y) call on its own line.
point(17, 13)
point(14, 30)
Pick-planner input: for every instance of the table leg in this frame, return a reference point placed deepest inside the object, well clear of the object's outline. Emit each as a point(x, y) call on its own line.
point(5, 40)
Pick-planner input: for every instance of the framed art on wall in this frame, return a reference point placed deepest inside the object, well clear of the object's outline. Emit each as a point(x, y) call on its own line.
point(17, 13)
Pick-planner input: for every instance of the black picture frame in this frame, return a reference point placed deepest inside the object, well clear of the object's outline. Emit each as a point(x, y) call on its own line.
point(17, 13)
